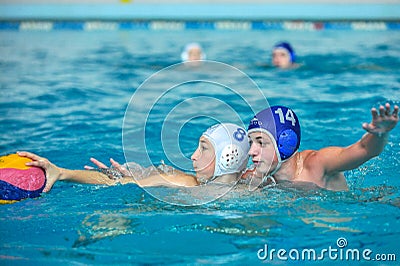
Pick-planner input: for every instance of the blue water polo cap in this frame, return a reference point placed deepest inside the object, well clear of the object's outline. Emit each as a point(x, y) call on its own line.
point(288, 48)
point(282, 125)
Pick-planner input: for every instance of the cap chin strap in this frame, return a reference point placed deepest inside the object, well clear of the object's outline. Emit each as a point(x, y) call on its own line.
point(278, 166)
point(265, 179)
point(210, 179)
point(215, 176)
point(270, 175)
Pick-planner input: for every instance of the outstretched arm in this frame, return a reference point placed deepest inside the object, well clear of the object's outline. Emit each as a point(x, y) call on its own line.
point(175, 178)
point(165, 180)
point(55, 173)
point(337, 159)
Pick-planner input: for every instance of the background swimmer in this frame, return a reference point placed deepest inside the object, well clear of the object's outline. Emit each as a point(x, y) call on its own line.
point(275, 138)
point(283, 55)
point(221, 156)
point(192, 52)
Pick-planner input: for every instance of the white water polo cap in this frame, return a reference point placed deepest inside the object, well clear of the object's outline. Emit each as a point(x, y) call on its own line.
point(188, 48)
point(231, 146)
point(282, 125)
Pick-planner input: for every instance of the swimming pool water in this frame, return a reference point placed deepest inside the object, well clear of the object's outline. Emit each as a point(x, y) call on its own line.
point(64, 95)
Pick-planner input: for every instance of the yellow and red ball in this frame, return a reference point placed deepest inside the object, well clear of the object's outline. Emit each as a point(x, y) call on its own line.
point(19, 181)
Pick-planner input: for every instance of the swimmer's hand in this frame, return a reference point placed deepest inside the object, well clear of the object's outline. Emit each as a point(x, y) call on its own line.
point(384, 121)
point(115, 164)
point(97, 163)
point(53, 173)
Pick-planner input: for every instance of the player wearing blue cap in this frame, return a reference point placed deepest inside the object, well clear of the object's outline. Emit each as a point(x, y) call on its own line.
point(283, 55)
point(220, 157)
point(274, 135)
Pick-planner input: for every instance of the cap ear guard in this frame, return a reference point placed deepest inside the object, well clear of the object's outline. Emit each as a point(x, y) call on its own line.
point(230, 157)
point(287, 143)
point(231, 146)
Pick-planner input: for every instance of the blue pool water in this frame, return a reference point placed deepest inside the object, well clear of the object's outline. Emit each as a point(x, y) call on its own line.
point(64, 96)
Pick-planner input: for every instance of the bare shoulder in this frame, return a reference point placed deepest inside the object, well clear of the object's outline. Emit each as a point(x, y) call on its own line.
point(323, 155)
point(309, 157)
point(311, 161)
point(313, 167)
point(316, 164)
point(168, 180)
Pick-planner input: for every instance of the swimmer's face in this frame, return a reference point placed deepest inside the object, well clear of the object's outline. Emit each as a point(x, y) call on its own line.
point(204, 159)
point(281, 58)
point(194, 54)
point(262, 152)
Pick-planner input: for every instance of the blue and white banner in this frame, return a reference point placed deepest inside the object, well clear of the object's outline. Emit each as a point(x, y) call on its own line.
point(196, 25)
